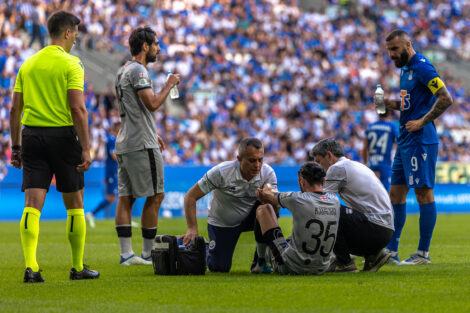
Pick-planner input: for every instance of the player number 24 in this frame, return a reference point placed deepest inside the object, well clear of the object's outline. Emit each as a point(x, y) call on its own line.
point(380, 143)
point(318, 240)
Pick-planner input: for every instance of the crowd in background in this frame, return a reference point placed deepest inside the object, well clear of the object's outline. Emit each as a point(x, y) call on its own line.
point(261, 68)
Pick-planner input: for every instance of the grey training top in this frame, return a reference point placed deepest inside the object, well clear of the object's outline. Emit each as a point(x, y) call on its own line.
point(233, 197)
point(138, 130)
point(315, 223)
point(358, 186)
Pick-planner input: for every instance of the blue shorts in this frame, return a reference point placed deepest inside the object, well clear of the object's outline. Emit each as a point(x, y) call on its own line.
point(384, 175)
point(415, 166)
point(111, 185)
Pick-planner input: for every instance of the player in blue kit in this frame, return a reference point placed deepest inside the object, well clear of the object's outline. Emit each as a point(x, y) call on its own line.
point(378, 144)
point(424, 97)
point(111, 181)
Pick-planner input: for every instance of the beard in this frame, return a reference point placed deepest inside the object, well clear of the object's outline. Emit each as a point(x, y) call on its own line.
point(402, 60)
point(149, 57)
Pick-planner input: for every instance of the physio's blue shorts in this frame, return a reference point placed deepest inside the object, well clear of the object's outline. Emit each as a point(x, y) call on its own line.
point(415, 166)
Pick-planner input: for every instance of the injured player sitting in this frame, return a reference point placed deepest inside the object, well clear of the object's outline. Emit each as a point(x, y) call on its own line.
point(315, 222)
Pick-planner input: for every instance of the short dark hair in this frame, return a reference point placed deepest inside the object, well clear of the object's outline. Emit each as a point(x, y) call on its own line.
point(325, 145)
point(59, 21)
point(139, 36)
point(249, 141)
point(397, 33)
point(313, 173)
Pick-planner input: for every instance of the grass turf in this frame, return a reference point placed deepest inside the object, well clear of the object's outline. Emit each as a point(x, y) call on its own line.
point(443, 286)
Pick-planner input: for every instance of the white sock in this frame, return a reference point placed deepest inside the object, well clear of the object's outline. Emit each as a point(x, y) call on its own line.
point(423, 253)
point(126, 244)
point(148, 246)
point(261, 249)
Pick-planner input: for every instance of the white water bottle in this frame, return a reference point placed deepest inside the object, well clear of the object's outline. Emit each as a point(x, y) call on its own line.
point(174, 93)
point(379, 97)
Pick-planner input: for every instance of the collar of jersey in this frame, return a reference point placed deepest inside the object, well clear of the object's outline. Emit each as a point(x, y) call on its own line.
point(58, 47)
point(413, 60)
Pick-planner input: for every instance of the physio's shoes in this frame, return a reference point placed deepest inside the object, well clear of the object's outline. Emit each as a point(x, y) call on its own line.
point(416, 259)
point(134, 260)
point(32, 277)
point(373, 264)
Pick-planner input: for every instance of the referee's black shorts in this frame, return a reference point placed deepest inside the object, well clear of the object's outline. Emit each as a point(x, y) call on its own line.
point(48, 151)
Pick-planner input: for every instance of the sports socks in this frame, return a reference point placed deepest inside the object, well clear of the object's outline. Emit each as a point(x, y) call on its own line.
point(124, 233)
point(76, 232)
point(427, 221)
point(399, 211)
point(29, 231)
point(148, 235)
point(103, 205)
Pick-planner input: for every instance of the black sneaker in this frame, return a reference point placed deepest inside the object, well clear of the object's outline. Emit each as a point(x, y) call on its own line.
point(84, 274)
point(373, 264)
point(346, 268)
point(32, 277)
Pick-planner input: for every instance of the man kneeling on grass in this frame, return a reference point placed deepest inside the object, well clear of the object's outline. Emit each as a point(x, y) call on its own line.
point(315, 222)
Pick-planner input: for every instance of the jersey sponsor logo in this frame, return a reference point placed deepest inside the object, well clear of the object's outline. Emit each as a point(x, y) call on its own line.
point(405, 100)
point(325, 211)
point(435, 84)
point(424, 155)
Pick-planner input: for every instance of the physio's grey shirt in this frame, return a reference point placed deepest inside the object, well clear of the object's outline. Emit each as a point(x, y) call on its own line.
point(233, 197)
point(315, 218)
point(138, 130)
point(361, 190)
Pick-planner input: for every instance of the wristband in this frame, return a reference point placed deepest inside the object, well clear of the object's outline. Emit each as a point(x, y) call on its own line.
point(16, 148)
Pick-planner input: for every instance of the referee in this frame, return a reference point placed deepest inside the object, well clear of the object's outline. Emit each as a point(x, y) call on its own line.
point(54, 141)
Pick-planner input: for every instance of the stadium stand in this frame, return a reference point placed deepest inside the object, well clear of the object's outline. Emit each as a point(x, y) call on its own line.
point(262, 68)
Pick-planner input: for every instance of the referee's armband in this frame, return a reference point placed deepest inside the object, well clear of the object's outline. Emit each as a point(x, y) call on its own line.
point(435, 84)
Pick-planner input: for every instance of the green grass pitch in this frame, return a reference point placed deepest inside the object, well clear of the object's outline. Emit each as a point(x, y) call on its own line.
point(443, 286)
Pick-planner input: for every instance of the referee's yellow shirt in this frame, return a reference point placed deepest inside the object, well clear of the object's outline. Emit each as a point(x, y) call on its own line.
point(44, 79)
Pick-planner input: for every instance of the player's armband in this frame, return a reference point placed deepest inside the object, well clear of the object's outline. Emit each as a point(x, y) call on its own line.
point(435, 84)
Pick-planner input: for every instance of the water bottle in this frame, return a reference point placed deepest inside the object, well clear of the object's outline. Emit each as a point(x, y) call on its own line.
point(174, 93)
point(379, 97)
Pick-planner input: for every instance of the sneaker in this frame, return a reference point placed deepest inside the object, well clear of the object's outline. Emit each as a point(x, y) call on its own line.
point(416, 259)
point(149, 258)
point(261, 267)
point(32, 277)
point(375, 263)
point(338, 267)
point(394, 260)
point(83, 274)
point(134, 260)
point(90, 219)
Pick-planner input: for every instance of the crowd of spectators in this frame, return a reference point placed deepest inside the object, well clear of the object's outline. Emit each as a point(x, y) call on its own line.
point(261, 68)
